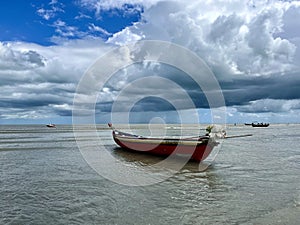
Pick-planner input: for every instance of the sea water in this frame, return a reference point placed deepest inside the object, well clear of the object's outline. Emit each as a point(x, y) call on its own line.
point(44, 179)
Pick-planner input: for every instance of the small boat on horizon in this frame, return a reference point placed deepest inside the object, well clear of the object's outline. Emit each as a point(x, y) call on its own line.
point(260, 124)
point(51, 125)
point(257, 124)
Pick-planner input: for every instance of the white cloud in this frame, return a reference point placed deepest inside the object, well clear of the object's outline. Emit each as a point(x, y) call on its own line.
point(51, 10)
point(126, 36)
point(19, 59)
point(99, 6)
point(232, 36)
point(94, 28)
point(82, 16)
point(270, 105)
point(64, 30)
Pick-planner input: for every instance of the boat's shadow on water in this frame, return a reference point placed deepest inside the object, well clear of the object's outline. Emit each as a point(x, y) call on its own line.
point(203, 174)
point(144, 159)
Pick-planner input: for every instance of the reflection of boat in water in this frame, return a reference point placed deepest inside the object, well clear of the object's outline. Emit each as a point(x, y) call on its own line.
point(197, 148)
point(51, 125)
point(150, 159)
point(260, 124)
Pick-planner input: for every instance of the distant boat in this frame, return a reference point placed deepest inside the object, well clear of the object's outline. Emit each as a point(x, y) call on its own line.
point(260, 124)
point(248, 124)
point(51, 125)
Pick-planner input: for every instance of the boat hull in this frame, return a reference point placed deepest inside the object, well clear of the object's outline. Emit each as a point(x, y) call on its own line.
point(260, 125)
point(198, 150)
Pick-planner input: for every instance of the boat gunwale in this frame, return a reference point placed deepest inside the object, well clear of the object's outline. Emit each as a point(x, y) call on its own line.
point(194, 141)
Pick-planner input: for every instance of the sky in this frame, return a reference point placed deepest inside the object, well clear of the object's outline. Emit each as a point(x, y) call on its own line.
point(252, 48)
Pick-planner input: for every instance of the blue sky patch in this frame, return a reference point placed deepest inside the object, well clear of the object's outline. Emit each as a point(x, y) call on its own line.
point(40, 21)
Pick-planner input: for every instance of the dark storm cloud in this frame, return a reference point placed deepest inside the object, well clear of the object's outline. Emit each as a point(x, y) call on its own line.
point(242, 91)
point(153, 104)
point(238, 90)
point(25, 103)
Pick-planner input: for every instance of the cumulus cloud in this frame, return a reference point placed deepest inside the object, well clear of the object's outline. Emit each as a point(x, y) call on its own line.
point(251, 46)
point(126, 36)
point(231, 36)
point(19, 60)
point(43, 79)
point(241, 41)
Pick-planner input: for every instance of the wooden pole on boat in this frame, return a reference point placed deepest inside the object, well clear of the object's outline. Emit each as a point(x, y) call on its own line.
point(236, 136)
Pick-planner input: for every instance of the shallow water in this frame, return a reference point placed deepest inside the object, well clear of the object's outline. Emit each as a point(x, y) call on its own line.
point(45, 180)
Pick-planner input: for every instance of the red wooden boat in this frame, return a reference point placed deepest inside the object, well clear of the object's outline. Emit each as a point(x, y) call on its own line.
point(197, 148)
